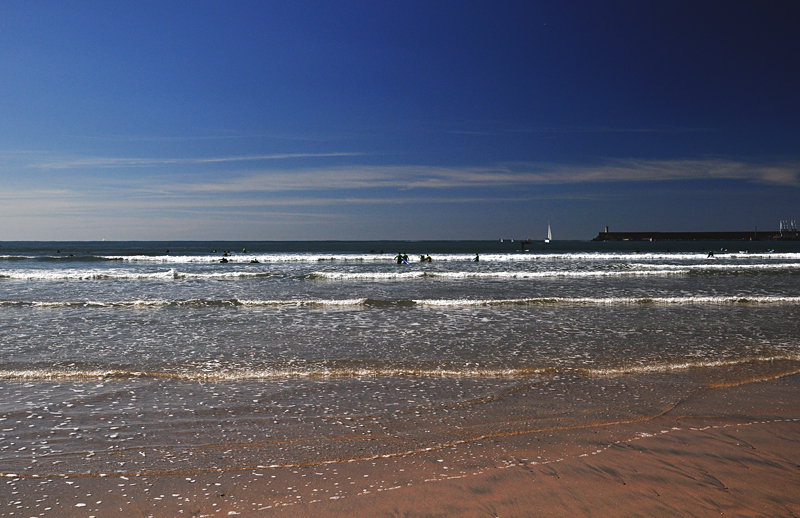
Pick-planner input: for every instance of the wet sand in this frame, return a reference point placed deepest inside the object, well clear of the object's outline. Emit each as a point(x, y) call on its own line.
point(731, 451)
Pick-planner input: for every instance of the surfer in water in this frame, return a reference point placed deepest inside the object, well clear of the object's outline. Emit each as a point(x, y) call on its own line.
point(476, 258)
point(399, 258)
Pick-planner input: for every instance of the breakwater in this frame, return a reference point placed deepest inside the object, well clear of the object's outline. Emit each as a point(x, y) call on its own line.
point(752, 235)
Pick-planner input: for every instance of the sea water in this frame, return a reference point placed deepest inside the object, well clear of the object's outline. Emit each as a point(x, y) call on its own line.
point(156, 357)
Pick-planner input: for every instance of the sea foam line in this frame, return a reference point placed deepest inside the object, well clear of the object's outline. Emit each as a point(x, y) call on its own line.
point(172, 274)
point(606, 301)
point(244, 374)
point(721, 266)
point(454, 257)
point(315, 371)
point(119, 275)
point(381, 276)
point(367, 302)
point(349, 257)
point(186, 302)
point(619, 270)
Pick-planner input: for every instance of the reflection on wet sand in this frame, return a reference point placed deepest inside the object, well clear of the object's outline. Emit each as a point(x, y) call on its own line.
point(702, 447)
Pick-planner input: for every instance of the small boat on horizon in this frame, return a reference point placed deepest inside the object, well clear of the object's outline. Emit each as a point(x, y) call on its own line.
point(549, 234)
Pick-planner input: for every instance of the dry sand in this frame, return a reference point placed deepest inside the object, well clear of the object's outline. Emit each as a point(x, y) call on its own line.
point(732, 451)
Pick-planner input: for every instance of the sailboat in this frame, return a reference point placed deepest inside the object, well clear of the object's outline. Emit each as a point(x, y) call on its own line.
point(549, 234)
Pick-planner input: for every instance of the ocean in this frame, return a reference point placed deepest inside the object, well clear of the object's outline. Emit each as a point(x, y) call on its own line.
point(154, 357)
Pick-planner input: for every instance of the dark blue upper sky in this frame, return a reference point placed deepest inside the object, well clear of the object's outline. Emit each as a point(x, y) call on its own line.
point(412, 120)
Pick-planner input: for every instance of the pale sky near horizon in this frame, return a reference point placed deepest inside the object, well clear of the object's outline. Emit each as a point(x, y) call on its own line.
point(396, 120)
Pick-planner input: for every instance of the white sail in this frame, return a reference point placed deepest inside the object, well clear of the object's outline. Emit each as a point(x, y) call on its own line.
point(549, 234)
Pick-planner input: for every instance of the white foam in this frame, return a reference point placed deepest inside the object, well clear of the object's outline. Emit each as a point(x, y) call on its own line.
point(360, 302)
point(247, 258)
point(188, 302)
point(601, 301)
point(722, 266)
point(217, 372)
point(631, 256)
point(379, 276)
point(451, 257)
point(310, 302)
point(375, 276)
point(122, 274)
point(85, 275)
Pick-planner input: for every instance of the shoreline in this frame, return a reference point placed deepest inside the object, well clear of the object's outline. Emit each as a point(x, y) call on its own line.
point(725, 448)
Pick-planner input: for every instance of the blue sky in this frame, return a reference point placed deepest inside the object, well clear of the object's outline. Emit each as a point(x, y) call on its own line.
point(395, 120)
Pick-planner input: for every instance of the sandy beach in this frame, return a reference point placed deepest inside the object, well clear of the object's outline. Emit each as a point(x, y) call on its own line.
point(404, 260)
point(721, 450)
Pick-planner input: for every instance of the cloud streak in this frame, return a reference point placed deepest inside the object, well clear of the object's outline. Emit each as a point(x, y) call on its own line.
point(103, 162)
point(281, 196)
point(373, 185)
point(785, 173)
point(393, 178)
point(360, 176)
point(507, 175)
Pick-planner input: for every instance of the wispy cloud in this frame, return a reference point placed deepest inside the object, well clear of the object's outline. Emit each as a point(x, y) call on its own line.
point(632, 170)
point(54, 204)
point(269, 196)
point(506, 175)
point(106, 162)
point(251, 175)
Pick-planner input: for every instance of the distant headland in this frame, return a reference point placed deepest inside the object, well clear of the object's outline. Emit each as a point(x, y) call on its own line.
point(787, 232)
